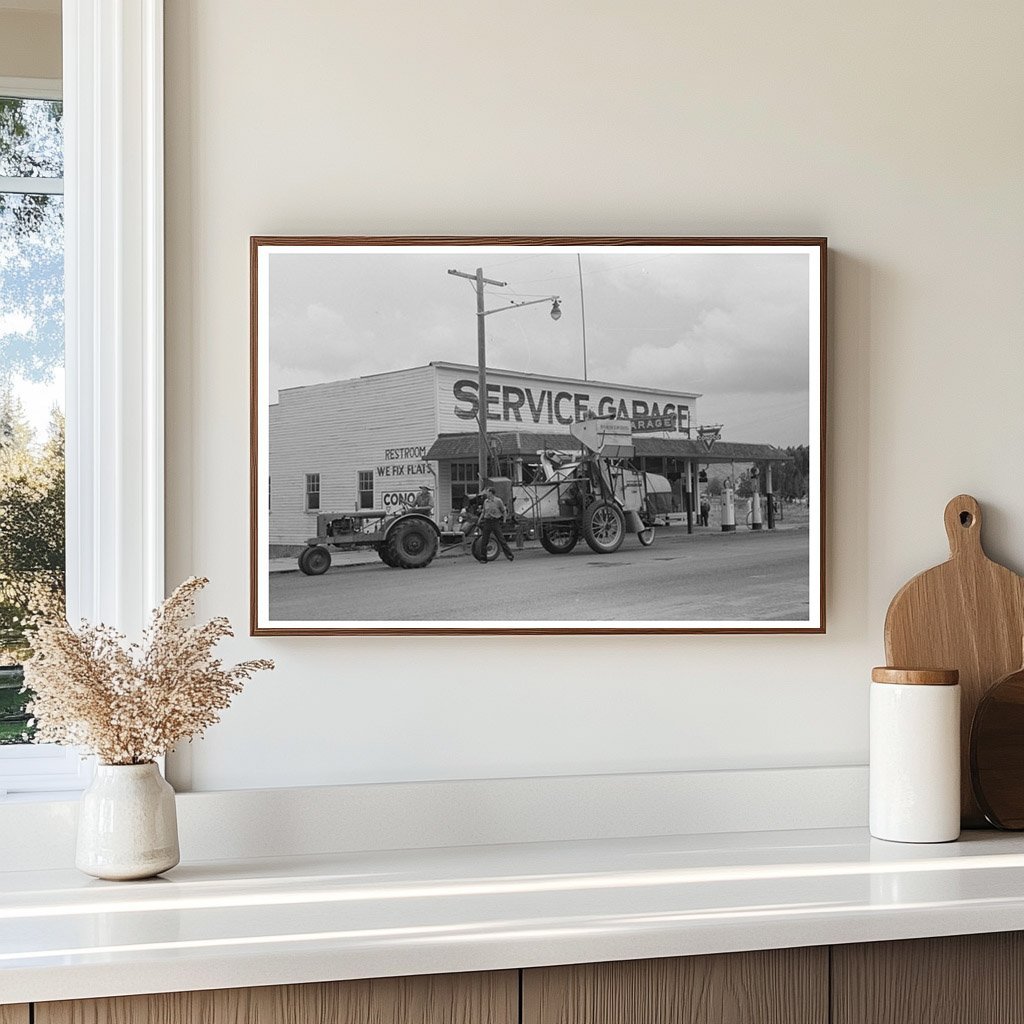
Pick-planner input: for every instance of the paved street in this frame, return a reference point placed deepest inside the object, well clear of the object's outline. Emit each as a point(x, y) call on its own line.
point(740, 576)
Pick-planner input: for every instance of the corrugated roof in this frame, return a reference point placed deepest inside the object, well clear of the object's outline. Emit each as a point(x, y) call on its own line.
point(721, 451)
point(449, 447)
point(503, 442)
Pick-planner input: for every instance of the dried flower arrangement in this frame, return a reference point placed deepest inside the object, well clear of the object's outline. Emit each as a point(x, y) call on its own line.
point(128, 704)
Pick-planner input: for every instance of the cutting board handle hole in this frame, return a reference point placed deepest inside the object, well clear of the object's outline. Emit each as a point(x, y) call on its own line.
point(966, 519)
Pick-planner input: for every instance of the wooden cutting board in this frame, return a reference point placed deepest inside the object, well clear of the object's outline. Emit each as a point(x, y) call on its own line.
point(967, 614)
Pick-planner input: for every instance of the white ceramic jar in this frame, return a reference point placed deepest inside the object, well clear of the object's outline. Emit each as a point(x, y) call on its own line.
point(915, 755)
point(127, 823)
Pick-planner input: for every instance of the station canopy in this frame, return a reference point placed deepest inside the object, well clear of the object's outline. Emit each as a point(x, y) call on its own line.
point(464, 447)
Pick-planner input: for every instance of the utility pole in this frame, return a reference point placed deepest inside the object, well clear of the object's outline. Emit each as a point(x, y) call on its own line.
point(481, 356)
point(583, 314)
point(481, 352)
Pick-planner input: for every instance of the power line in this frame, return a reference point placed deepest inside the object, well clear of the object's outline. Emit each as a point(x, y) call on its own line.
point(604, 270)
point(521, 259)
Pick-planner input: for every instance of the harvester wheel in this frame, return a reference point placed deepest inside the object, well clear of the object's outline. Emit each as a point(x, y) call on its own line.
point(492, 549)
point(315, 561)
point(604, 527)
point(646, 536)
point(384, 555)
point(559, 538)
point(412, 544)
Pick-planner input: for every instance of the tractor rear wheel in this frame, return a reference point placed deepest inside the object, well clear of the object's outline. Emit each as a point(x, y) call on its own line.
point(412, 544)
point(315, 561)
point(559, 538)
point(384, 556)
point(604, 527)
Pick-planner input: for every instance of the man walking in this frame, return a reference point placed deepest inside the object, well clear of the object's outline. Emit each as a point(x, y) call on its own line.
point(491, 515)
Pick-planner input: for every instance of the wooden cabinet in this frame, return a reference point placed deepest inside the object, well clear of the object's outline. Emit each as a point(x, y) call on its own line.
point(779, 986)
point(491, 998)
point(972, 979)
point(963, 979)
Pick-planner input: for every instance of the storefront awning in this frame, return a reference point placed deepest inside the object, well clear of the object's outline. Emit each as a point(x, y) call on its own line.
point(463, 447)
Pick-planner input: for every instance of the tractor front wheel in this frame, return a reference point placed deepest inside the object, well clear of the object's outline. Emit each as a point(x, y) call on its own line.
point(646, 536)
point(559, 538)
point(412, 544)
point(604, 527)
point(315, 561)
point(493, 550)
point(385, 557)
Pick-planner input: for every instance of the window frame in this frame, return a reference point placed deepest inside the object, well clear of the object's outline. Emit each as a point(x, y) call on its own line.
point(38, 767)
point(112, 89)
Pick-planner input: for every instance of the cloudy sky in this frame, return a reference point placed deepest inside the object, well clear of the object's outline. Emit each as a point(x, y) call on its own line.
point(732, 326)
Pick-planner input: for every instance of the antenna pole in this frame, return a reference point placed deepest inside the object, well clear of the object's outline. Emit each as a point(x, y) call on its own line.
point(583, 312)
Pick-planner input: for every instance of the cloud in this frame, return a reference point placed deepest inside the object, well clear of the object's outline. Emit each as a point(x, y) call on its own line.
point(731, 325)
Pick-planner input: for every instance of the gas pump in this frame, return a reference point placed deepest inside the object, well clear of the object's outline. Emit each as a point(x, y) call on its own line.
point(728, 507)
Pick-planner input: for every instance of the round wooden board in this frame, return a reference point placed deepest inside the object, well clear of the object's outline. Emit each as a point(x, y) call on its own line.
point(997, 752)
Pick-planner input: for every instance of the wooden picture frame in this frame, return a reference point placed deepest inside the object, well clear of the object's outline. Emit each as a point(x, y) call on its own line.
point(653, 429)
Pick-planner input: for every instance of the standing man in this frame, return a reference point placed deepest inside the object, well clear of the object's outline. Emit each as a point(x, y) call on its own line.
point(491, 515)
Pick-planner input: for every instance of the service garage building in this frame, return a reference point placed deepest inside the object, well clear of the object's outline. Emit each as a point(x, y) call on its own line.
point(372, 441)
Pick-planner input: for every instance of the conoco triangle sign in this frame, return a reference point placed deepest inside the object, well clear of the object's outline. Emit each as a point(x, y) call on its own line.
point(708, 435)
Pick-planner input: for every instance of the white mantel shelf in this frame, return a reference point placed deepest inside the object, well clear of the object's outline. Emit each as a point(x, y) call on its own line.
point(225, 924)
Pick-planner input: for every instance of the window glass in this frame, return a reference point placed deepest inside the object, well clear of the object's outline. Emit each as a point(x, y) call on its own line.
point(366, 488)
point(312, 492)
point(464, 481)
point(31, 138)
point(31, 387)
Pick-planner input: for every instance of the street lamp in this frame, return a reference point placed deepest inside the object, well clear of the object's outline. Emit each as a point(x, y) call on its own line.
point(481, 351)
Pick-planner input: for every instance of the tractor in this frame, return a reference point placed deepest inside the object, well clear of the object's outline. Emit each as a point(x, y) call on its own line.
point(404, 539)
point(594, 494)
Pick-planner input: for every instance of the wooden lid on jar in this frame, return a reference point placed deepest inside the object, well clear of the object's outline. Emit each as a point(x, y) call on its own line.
point(916, 676)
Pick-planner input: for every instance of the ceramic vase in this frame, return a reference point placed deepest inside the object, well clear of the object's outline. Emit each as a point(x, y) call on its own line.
point(127, 825)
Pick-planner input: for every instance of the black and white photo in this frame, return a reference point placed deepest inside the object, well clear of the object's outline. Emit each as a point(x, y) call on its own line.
point(551, 435)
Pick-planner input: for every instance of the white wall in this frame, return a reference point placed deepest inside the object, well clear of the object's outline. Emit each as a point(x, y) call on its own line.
point(894, 129)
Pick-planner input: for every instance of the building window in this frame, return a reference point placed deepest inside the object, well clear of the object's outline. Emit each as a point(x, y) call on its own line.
point(312, 492)
point(365, 487)
point(31, 384)
point(464, 482)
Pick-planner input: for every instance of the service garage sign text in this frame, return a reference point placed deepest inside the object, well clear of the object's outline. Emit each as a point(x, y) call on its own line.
point(508, 403)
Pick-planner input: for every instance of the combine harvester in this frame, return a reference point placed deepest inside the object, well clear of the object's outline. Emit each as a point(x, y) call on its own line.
point(594, 494)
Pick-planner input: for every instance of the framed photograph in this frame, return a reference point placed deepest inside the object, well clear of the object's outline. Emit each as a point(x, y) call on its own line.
point(537, 435)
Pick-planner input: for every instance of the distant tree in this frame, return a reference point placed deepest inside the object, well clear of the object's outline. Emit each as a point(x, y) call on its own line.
point(795, 474)
point(31, 525)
